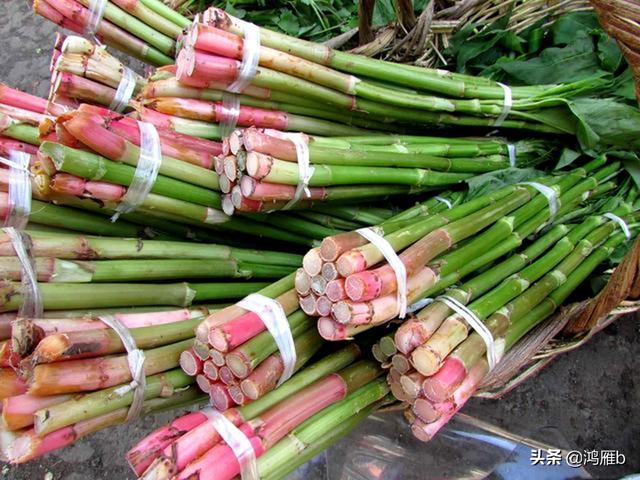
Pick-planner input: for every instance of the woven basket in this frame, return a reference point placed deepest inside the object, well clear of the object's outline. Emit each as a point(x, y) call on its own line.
point(419, 41)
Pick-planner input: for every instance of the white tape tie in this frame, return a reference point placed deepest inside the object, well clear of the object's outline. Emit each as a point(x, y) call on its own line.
point(146, 171)
point(31, 306)
point(400, 148)
point(623, 225)
point(305, 169)
point(274, 318)
point(135, 359)
point(229, 113)
point(445, 201)
point(394, 261)
point(506, 107)
point(124, 92)
point(419, 305)
point(550, 194)
point(495, 349)
point(237, 441)
point(511, 149)
point(250, 58)
point(96, 12)
point(19, 189)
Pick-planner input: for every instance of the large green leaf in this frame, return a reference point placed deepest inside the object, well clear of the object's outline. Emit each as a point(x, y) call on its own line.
point(572, 25)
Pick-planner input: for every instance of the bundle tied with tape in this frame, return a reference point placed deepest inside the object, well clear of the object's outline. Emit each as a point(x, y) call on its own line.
point(552, 198)
point(495, 347)
point(275, 320)
point(375, 238)
point(124, 92)
point(146, 171)
point(19, 189)
point(230, 109)
point(623, 225)
point(96, 13)
point(237, 441)
point(135, 360)
point(506, 105)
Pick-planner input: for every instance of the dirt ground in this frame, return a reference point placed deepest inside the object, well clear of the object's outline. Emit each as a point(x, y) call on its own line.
point(590, 397)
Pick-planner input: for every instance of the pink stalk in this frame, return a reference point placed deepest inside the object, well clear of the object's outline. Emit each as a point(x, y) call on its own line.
point(239, 330)
point(440, 386)
point(210, 370)
point(219, 396)
point(204, 384)
point(335, 290)
point(334, 331)
point(204, 65)
point(226, 375)
point(81, 88)
point(309, 305)
point(9, 144)
point(265, 191)
point(77, 186)
point(214, 112)
point(217, 319)
point(244, 204)
point(147, 450)
point(8, 358)
point(5, 325)
point(4, 206)
point(10, 384)
point(464, 392)
point(236, 394)
point(382, 308)
point(264, 378)
point(302, 282)
point(17, 411)
point(412, 383)
point(22, 115)
point(214, 40)
point(417, 331)
point(190, 363)
point(430, 412)
point(323, 306)
point(332, 247)
point(195, 442)
point(16, 98)
point(204, 83)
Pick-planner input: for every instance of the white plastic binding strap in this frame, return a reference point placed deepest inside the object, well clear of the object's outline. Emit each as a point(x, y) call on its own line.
point(305, 169)
point(495, 348)
point(511, 149)
point(506, 106)
point(96, 12)
point(19, 189)
point(549, 193)
point(135, 359)
point(274, 318)
point(622, 223)
point(394, 262)
point(31, 297)
point(237, 442)
point(146, 171)
point(419, 305)
point(445, 201)
point(248, 69)
point(124, 92)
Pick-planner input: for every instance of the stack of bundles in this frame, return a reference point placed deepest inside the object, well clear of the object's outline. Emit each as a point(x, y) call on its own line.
point(366, 278)
point(145, 29)
point(79, 378)
point(267, 170)
point(451, 345)
point(220, 50)
point(84, 72)
point(85, 272)
point(246, 350)
point(273, 435)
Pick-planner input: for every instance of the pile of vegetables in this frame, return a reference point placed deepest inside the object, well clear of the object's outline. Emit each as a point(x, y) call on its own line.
point(433, 241)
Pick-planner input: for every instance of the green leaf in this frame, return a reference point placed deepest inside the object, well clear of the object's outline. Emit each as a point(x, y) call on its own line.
point(488, 182)
point(609, 54)
point(573, 25)
point(608, 122)
point(288, 23)
point(567, 157)
point(576, 61)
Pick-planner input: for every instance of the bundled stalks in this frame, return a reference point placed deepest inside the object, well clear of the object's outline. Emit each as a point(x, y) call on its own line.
point(360, 287)
point(284, 427)
point(263, 172)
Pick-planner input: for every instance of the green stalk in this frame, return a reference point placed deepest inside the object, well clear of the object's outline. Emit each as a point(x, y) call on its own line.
point(132, 25)
point(96, 164)
point(298, 225)
point(22, 131)
point(151, 18)
point(91, 405)
point(167, 12)
point(88, 247)
point(320, 430)
point(328, 221)
point(70, 296)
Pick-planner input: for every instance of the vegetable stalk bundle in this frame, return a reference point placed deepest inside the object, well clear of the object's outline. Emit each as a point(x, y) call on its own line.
point(145, 29)
point(284, 427)
point(236, 360)
point(260, 170)
point(77, 378)
point(441, 361)
point(384, 91)
point(348, 283)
